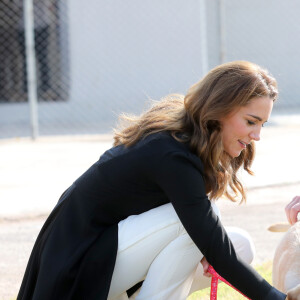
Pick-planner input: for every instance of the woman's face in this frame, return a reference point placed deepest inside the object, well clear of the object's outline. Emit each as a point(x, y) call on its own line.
point(244, 125)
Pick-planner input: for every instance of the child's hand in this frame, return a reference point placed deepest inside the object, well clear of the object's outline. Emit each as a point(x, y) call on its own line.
point(292, 210)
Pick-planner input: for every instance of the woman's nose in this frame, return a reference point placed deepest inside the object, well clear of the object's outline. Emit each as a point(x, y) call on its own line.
point(255, 135)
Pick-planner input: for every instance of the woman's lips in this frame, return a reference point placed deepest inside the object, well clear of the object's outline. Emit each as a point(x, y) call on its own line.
point(243, 144)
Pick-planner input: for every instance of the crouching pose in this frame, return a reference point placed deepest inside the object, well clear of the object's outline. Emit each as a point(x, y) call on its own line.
point(145, 211)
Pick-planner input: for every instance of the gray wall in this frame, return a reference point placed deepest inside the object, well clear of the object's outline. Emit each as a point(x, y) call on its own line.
point(122, 53)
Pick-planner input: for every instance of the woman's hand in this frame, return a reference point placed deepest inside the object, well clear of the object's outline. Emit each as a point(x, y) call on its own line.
point(292, 210)
point(294, 294)
point(205, 266)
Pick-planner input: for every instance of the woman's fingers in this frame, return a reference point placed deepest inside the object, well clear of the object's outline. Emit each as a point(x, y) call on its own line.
point(294, 294)
point(205, 266)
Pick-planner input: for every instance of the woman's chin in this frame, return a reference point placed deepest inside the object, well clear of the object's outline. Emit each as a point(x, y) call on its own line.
point(233, 154)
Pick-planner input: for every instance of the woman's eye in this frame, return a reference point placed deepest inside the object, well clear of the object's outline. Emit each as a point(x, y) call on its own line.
point(250, 122)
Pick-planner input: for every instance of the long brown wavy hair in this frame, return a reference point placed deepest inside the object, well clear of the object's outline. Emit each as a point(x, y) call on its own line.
point(194, 119)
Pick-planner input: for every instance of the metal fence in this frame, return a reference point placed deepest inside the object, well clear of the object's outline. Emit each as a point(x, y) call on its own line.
point(92, 60)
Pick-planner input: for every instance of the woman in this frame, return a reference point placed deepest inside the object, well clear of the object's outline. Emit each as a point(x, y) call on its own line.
point(181, 151)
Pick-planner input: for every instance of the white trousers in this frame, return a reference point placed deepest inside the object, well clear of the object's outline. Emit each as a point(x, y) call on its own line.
point(155, 247)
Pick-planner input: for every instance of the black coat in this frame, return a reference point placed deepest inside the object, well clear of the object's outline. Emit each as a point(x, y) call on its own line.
point(75, 252)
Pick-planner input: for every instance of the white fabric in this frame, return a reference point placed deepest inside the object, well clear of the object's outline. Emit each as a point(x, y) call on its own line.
point(155, 247)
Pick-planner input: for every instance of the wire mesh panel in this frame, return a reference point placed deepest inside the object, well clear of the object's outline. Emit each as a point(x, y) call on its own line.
point(95, 59)
point(10, 54)
point(52, 81)
point(52, 61)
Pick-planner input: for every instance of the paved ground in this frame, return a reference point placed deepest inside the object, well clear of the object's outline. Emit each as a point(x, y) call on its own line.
point(35, 174)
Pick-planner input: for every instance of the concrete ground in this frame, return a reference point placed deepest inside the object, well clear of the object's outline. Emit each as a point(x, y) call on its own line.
point(34, 174)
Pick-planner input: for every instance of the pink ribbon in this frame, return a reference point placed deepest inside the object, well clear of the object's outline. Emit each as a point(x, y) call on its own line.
point(214, 284)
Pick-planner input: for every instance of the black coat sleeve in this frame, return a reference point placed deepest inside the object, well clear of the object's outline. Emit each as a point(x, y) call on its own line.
point(179, 175)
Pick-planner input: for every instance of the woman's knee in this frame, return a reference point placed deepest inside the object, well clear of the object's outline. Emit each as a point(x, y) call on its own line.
point(242, 242)
point(159, 223)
